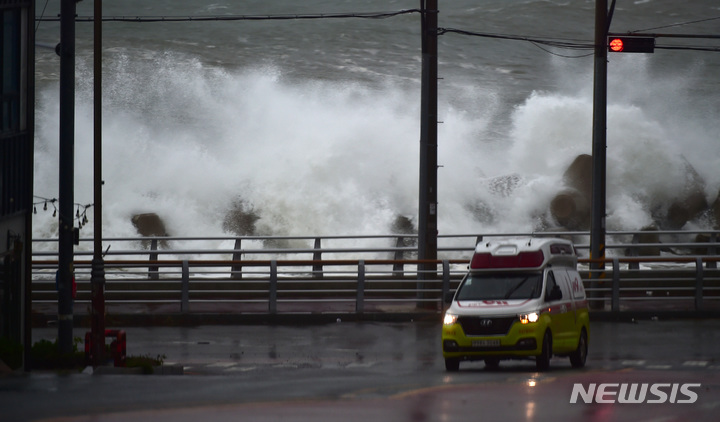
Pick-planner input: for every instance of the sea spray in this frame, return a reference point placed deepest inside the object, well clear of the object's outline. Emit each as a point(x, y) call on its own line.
point(320, 158)
point(186, 140)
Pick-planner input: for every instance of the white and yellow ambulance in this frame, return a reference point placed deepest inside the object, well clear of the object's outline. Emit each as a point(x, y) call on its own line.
point(521, 298)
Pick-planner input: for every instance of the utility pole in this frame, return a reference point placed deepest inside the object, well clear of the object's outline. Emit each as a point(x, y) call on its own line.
point(97, 273)
point(427, 210)
point(599, 148)
point(66, 198)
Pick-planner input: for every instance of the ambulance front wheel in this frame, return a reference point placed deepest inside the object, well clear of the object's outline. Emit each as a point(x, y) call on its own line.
point(452, 364)
point(542, 362)
point(579, 356)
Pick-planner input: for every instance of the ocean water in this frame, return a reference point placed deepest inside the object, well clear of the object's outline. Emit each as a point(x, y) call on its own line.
point(314, 125)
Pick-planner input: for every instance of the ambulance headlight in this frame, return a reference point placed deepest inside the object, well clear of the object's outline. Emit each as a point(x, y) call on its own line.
point(528, 318)
point(450, 319)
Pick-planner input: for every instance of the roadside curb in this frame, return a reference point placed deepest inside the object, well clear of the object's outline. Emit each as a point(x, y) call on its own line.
point(195, 319)
point(156, 370)
point(630, 316)
point(301, 318)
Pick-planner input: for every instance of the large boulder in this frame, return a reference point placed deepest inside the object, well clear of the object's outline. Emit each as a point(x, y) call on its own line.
point(685, 209)
point(241, 219)
point(701, 238)
point(403, 225)
point(571, 207)
point(690, 202)
point(649, 236)
point(149, 225)
point(579, 175)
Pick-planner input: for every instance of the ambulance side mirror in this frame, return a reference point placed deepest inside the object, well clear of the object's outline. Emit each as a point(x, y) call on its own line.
point(449, 297)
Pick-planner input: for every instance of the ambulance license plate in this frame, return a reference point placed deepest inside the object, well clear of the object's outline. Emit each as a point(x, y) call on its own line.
point(486, 343)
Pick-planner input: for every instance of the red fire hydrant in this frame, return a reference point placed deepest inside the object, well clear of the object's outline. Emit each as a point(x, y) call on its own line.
point(118, 347)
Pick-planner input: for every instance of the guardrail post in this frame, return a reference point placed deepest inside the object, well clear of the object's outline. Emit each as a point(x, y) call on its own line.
point(317, 256)
point(712, 251)
point(153, 273)
point(698, 283)
point(398, 267)
point(634, 252)
point(615, 301)
point(445, 283)
point(185, 295)
point(360, 299)
point(272, 290)
point(237, 256)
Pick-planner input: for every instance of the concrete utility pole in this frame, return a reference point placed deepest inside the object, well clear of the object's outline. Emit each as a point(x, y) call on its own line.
point(66, 198)
point(599, 147)
point(427, 210)
point(97, 273)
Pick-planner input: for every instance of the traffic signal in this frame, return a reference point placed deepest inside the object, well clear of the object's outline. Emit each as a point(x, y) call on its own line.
point(630, 44)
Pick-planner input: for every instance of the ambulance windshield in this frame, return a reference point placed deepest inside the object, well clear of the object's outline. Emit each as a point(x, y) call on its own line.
point(526, 285)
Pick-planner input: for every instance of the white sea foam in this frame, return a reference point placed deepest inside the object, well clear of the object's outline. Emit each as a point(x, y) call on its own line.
point(185, 140)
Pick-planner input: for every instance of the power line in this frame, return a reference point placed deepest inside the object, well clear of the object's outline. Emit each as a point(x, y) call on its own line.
point(683, 47)
point(676, 25)
point(144, 19)
point(688, 47)
point(573, 44)
point(561, 55)
point(537, 42)
point(570, 44)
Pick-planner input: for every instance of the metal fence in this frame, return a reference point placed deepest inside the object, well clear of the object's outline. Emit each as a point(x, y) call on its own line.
point(674, 271)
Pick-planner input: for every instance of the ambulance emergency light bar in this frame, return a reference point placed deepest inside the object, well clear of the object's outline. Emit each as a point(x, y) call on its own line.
point(517, 255)
point(532, 259)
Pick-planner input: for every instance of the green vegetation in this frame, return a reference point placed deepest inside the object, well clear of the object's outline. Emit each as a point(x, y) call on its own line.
point(44, 355)
point(145, 362)
point(11, 353)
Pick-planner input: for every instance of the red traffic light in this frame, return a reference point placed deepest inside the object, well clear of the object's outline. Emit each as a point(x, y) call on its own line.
point(631, 44)
point(616, 45)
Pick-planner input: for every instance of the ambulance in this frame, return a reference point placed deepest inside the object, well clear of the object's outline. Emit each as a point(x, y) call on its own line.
point(522, 298)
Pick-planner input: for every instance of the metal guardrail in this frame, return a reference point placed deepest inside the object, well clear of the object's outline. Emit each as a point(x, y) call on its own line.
point(345, 286)
point(284, 275)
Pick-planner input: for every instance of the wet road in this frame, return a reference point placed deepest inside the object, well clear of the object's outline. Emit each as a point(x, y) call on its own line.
point(373, 371)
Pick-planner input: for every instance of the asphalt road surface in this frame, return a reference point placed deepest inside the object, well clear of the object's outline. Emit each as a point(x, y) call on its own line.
point(378, 372)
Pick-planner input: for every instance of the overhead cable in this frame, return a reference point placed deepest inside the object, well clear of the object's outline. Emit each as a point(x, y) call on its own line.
point(536, 41)
point(676, 24)
point(566, 44)
point(572, 44)
point(142, 19)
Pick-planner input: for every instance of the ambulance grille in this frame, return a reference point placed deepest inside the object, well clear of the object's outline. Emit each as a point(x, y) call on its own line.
point(483, 326)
